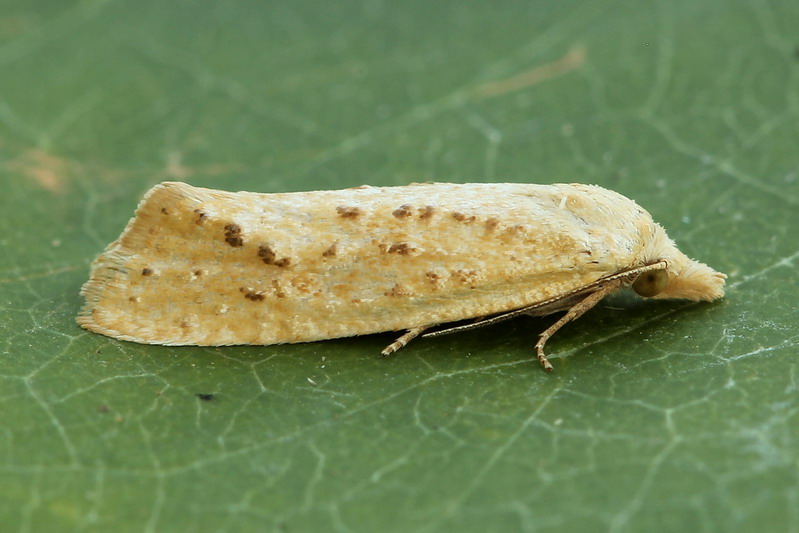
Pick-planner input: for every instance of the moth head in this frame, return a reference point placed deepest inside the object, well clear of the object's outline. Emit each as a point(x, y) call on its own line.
point(682, 277)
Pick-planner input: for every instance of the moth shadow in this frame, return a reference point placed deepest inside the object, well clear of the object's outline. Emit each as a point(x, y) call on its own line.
point(620, 325)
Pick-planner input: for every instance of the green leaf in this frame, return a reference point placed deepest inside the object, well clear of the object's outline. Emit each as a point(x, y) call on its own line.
point(660, 416)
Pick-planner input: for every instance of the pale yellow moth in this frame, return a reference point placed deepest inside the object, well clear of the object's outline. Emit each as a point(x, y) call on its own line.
point(204, 267)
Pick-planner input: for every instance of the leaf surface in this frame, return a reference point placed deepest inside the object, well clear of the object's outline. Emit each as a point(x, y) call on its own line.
point(660, 416)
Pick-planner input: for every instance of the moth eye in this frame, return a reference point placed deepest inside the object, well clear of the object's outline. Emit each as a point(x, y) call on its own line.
point(651, 283)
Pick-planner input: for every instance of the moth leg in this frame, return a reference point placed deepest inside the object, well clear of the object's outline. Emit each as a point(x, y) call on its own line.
point(574, 312)
point(404, 339)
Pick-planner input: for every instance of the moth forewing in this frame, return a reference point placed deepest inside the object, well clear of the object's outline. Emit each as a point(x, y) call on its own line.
point(204, 267)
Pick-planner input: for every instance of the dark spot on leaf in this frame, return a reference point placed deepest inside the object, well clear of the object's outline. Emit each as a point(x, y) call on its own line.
point(146, 271)
point(206, 396)
point(164, 211)
point(201, 216)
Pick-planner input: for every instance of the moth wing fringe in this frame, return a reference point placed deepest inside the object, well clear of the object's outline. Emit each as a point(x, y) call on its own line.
point(118, 253)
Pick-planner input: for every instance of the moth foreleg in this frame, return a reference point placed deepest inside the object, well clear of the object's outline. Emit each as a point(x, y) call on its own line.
point(573, 313)
point(404, 339)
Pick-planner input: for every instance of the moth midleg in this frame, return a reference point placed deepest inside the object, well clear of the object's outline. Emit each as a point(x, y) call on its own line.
point(574, 312)
point(404, 339)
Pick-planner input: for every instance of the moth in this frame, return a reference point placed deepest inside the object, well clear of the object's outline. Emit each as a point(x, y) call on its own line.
point(204, 267)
